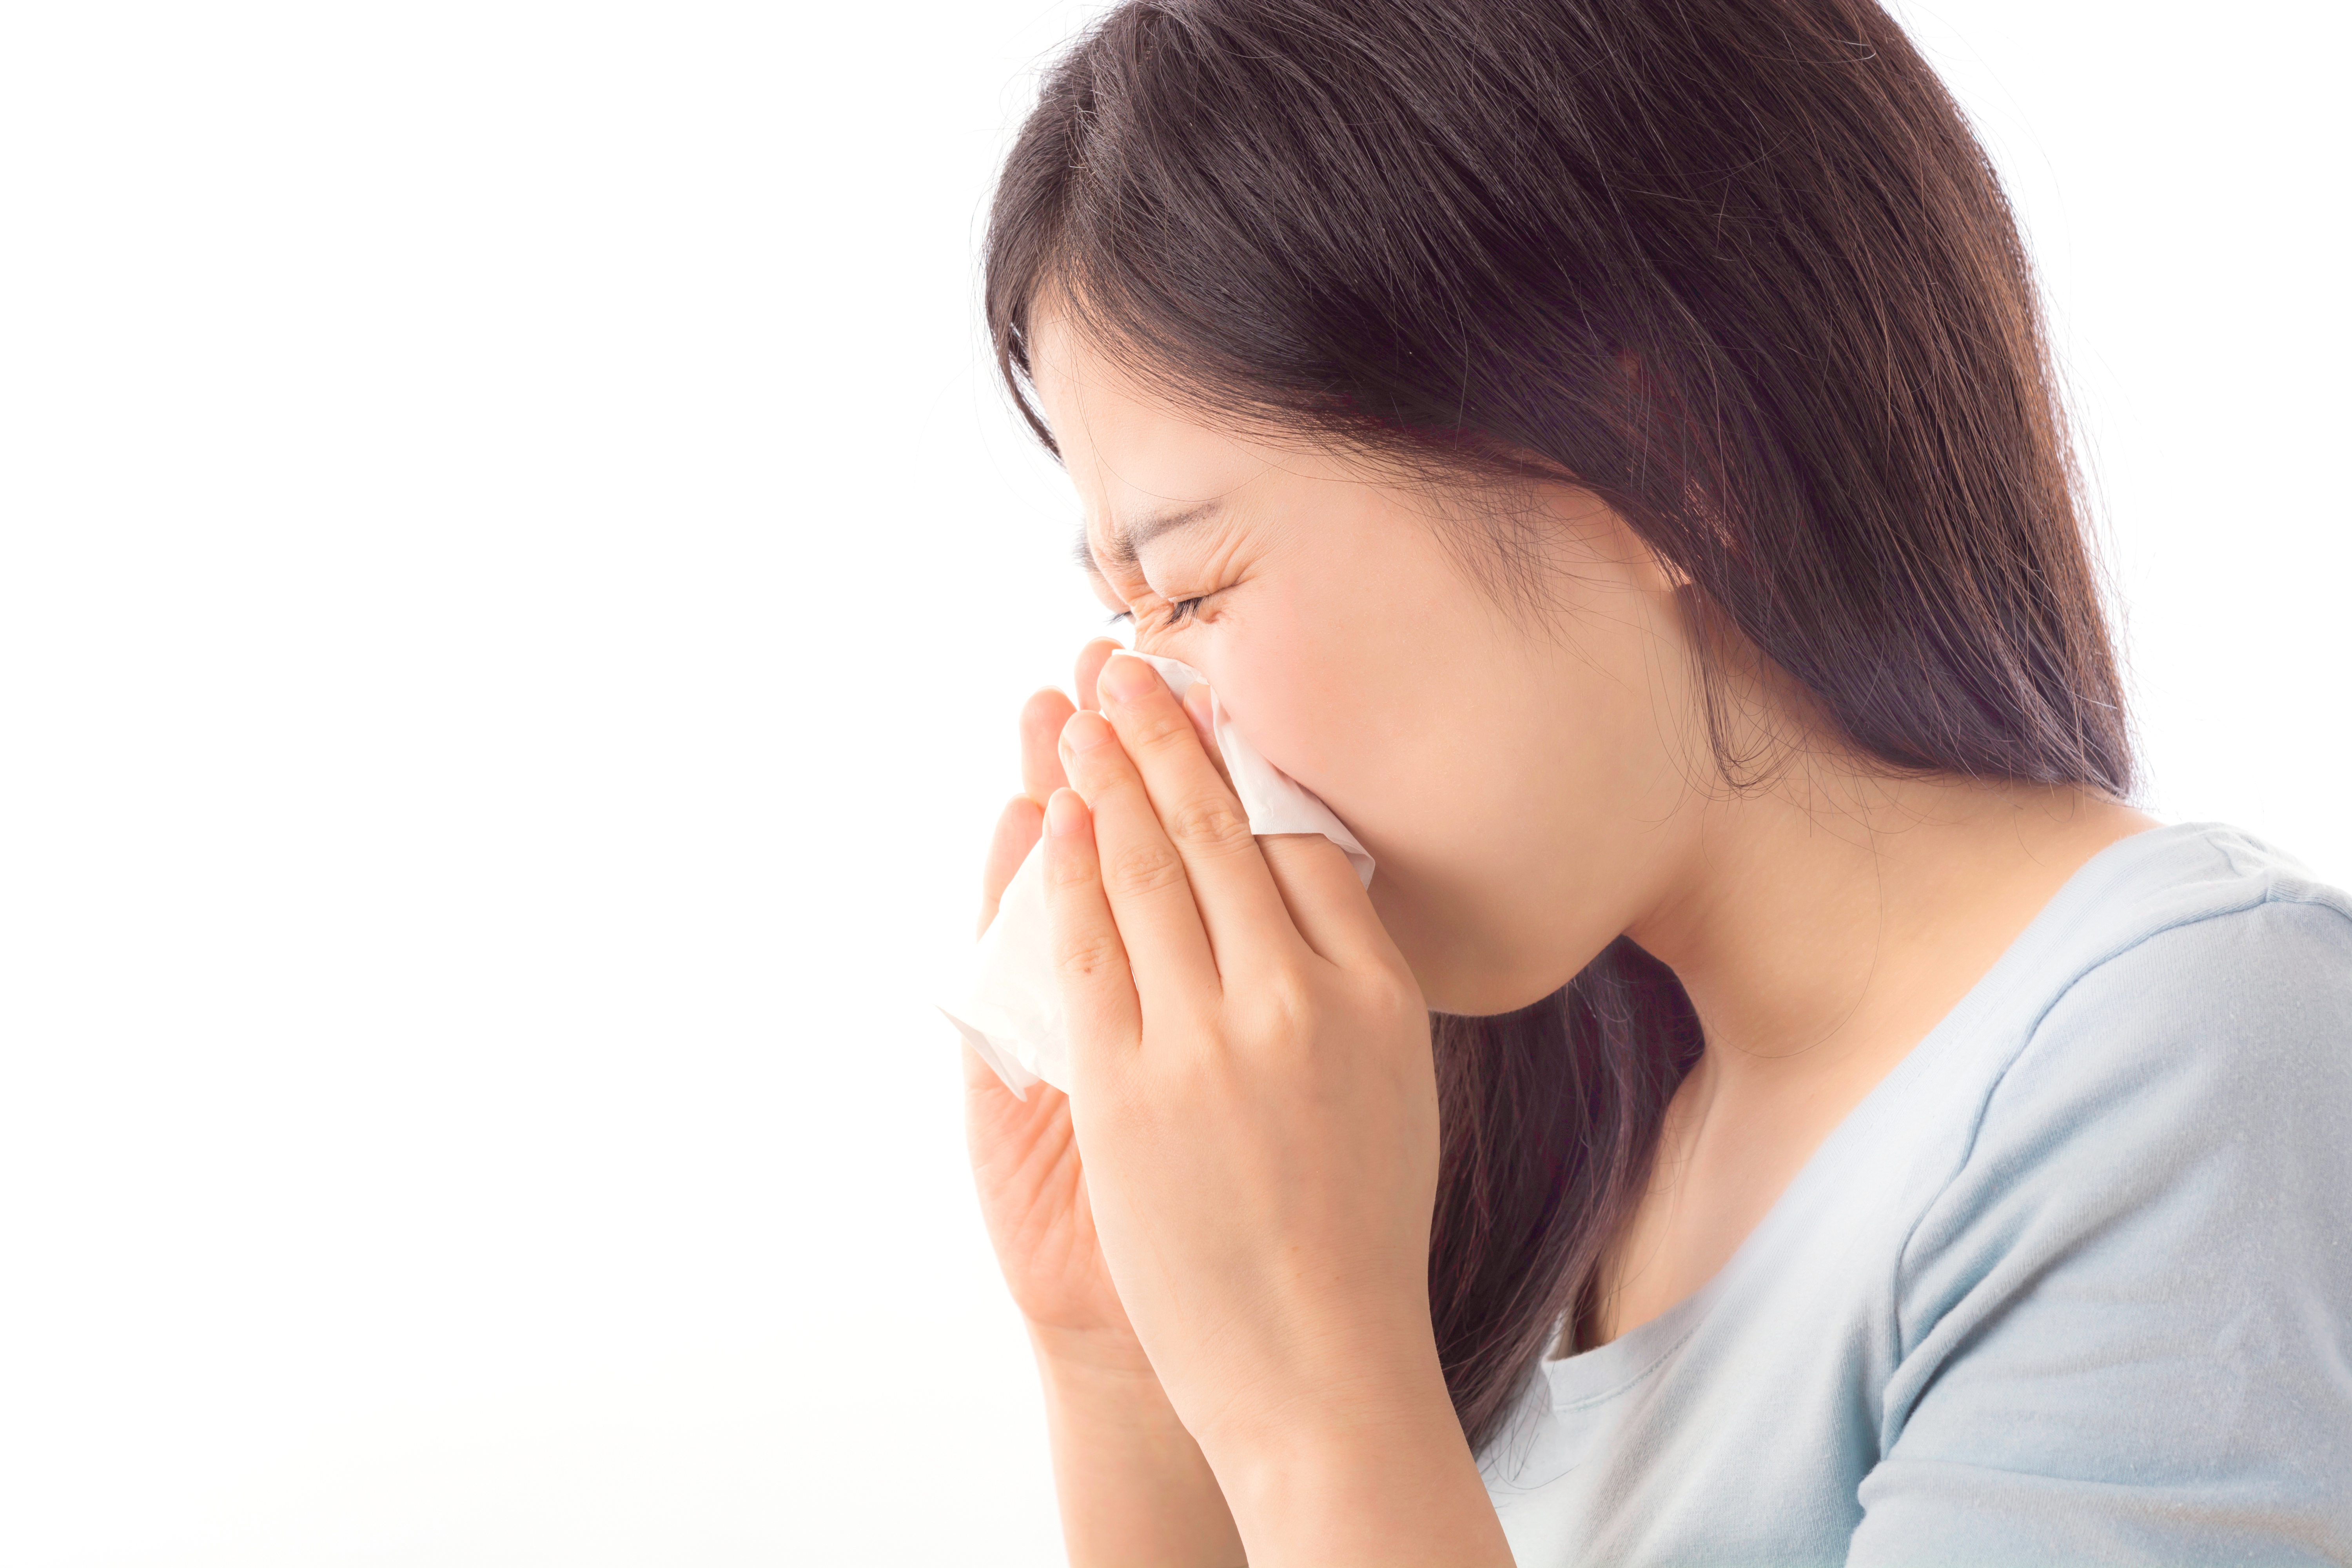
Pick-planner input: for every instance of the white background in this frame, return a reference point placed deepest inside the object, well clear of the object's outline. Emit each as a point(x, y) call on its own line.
point(514, 583)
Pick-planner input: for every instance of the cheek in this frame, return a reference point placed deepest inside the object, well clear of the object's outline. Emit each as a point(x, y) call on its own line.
point(1490, 775)
point(1398, 720)
point(1371, 688)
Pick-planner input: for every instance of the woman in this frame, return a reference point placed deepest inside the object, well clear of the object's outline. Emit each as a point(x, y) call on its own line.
point(1777, 1101)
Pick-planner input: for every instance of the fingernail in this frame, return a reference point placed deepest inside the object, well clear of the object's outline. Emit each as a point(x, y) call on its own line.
point(1064, 812)
point(1127, 677)
point(1084, 730)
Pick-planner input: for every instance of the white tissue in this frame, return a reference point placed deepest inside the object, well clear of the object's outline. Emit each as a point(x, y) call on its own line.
point(1007, 1005)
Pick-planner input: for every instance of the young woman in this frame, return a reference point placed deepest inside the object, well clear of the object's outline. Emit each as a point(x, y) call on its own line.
point(1776, 1100)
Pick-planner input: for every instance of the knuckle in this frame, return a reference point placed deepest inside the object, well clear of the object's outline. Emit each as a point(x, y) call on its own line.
point(1081, 955)
point(1297, 851)
point(1157, 730)
point(1398, 1004)
point(1280, 1007)
point(1064, 871)
point(1396, 998)
point(1215, 824)
point(1145, 868)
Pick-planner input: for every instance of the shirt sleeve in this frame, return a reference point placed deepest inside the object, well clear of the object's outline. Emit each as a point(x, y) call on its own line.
point(2125, 1326)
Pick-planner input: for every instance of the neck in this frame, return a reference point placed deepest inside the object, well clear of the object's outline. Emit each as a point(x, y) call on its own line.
point(1810, 920)
point(1820, 930)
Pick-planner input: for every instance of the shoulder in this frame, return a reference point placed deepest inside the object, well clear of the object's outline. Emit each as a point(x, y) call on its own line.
point(2222, 903)
point(2174, 1094)
point(2124, 1313)
point(2213, 990)
point(2177, 1099)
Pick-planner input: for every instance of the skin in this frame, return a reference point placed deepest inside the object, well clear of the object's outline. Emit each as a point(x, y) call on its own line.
point(1219, 1238)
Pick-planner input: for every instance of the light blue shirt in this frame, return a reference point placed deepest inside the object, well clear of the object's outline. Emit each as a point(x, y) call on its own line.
point(2073, 1284)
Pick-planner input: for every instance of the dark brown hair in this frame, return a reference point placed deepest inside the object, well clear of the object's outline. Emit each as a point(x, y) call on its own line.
point(1738, 269)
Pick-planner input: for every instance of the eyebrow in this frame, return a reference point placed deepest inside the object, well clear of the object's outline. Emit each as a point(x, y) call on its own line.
point(1127, 543)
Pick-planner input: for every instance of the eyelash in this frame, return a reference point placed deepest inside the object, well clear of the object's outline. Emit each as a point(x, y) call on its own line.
point(1178, 613)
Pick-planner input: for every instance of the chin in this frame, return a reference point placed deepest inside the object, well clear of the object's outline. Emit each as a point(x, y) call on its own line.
point(1483, 992)
point(1457, 961)
point(1481, 958)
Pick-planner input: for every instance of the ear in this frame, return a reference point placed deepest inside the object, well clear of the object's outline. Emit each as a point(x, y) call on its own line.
point(1659, 574)
point(1669, 575)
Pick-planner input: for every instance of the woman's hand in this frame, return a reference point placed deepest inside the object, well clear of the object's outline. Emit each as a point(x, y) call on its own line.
point(1133, 1486)
point(1254, 1092)
point(1025, 1161)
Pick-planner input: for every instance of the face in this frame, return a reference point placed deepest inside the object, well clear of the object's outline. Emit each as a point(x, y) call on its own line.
point(1522, 772)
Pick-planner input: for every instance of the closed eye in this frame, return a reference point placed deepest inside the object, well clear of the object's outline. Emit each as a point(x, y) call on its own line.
point(1179, 613)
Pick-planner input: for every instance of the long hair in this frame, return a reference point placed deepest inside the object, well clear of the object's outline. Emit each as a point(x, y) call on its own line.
point(1737, 267)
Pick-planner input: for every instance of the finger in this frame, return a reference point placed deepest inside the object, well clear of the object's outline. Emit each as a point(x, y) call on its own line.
point(1327, 902)
point(999, 1119)
point(1143, 876)
point(1091, 659)
point(1017, 826)
point(1090, 954)
point(1239, 905)
point(1198, 708)
point(1042, 717)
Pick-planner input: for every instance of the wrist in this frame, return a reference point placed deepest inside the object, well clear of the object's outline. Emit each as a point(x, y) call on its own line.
point(1366, 1476)
point(1134, 1488)
point(1104, 1385)
point(1108, 1357)
point(1320, 1383)
point(1406, 1497)
point(1343, 1442)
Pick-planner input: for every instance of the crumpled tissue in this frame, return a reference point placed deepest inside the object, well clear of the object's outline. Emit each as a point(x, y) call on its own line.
point(1006, 1005)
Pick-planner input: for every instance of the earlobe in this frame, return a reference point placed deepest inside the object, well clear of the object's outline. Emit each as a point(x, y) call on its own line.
point(1666, 575)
